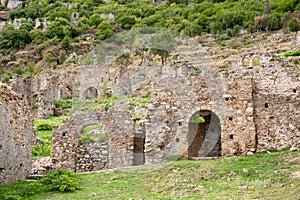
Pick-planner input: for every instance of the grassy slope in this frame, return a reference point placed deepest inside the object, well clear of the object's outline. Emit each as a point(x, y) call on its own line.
point(261, 176)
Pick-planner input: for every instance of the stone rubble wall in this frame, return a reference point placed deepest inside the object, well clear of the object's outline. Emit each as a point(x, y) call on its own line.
point(116, 152)
point(277, 107)
point(17, 136)
point(47, 88)
point(92, 158)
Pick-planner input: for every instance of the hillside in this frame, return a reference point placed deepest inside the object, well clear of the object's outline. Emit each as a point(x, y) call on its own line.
point(47, 34)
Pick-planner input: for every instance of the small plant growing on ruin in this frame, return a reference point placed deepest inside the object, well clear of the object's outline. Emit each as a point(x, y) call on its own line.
point(292, 53)
point(197, 120)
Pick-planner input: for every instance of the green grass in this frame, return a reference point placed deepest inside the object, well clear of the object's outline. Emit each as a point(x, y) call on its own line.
point(53, 121)
point(261, 176)
point(90, 128)
point(45, 148)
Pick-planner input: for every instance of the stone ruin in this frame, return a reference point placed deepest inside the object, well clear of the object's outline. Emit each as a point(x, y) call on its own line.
point(193, 111)
point(74, 18)
point(14, 5)
point(16, 138)
point(245, 110)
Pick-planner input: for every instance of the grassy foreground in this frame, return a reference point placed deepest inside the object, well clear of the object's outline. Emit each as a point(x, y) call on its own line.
point(268, 175)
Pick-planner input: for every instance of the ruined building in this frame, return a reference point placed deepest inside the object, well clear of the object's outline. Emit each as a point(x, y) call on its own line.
point(194, 109)
point(16, 136)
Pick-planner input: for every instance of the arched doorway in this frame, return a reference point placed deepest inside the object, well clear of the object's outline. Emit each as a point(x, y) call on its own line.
point(92, 149)
point(204, 135)
point(90, 93)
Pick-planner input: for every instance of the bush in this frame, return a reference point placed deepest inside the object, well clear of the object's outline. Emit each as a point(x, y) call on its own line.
point(294, 25)
point(42, 150)
point(292, 53)
point(44, 126)
point(56, 180)
point(60, 180)
point(18, 70)
point(6, 77)
point(65, 43)
point(64, 103)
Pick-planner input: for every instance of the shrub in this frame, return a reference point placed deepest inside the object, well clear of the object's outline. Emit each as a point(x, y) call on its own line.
point(64, 103)
point(6, 77)
point(42, 150)
point(65, 43)
point(44, 126)
point(60, 180)
point(294, 25)
point(292, 53)
point(18, 70)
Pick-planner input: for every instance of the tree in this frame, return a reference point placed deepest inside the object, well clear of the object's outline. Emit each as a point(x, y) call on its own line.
point(61, 28)
point(37, 36)
point(162, 43)
point(127, 22)
point(94, 20)
point(105, 30)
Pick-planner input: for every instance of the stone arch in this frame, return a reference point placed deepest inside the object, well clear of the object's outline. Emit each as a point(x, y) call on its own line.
point(91, 152)
point(204, 134)
point(90, 93)
point(117, 125)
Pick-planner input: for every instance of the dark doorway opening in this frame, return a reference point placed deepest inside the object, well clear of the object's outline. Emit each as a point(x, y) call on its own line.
point(204, 135)
point(90, 93)
point(138, 150)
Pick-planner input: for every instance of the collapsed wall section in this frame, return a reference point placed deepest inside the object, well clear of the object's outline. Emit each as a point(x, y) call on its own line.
point(17, 136)
point(116, 151)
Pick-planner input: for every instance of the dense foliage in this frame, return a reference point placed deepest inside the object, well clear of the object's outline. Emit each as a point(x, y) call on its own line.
point(106, 19)
point(187, 17)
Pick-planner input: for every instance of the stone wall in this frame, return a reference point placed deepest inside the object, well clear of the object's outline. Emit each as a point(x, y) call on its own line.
point(45, 89)
point(16, 137)
point(117, 151)
point(277, 107)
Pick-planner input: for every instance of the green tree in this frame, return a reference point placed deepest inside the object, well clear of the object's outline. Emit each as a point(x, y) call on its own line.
point(94, 20)
point(162, 43)
point(15, 38)
point(127, 22)
point(105, 30)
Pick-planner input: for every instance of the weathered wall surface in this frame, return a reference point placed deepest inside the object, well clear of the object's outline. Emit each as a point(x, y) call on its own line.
point(16, 136)
point(44, 90)
point(277, 107)
point(238, 130)
point(118, 152)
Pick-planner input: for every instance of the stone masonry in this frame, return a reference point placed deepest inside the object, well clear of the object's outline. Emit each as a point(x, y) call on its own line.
point(16, 137)
point(195, 109)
